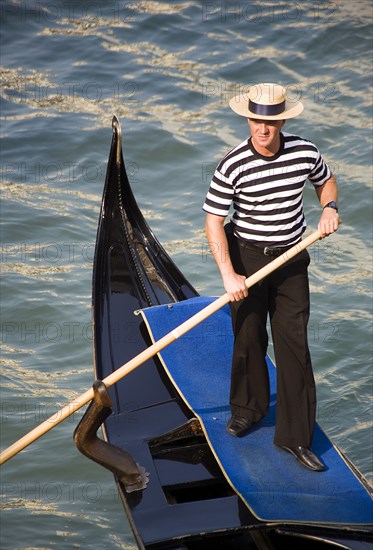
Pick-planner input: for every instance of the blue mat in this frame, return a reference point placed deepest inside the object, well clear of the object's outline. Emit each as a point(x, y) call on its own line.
point(274, 486)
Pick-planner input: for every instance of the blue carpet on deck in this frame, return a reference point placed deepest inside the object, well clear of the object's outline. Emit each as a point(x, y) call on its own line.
point(272, 483)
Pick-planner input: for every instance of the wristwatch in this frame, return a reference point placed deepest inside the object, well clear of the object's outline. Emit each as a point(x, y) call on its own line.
point(331, 204)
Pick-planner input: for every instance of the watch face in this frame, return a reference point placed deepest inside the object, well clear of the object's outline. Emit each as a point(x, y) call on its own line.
point(332, 204)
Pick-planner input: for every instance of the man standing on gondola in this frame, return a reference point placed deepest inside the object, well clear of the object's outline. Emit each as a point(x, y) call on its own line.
point(264, 178)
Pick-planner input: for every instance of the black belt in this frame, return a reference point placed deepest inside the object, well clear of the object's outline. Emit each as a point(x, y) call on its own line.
point(271, 251)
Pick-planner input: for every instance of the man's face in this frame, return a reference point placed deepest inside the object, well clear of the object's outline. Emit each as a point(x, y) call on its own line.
point(265, 134)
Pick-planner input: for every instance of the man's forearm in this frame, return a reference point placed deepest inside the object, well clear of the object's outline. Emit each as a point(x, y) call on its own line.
point(329, 219)
point(328, 192)
point(234, 284)
point(218, 244)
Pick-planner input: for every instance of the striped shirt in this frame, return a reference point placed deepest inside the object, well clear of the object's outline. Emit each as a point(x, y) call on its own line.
point(266, 192)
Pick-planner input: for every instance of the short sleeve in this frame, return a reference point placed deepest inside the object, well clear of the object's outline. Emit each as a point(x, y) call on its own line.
point(320, 172)
point(220, 194)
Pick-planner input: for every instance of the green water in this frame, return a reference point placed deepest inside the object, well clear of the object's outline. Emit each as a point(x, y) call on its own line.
point(167, 71)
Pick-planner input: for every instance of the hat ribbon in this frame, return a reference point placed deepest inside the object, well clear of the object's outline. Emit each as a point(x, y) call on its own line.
point(266, 110)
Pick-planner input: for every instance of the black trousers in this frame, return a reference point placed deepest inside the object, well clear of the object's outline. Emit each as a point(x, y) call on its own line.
point(284, 297)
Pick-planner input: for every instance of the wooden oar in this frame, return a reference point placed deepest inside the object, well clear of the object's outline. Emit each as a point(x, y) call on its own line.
point(125, 369)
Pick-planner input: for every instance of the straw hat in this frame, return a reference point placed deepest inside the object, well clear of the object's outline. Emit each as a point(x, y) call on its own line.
point(265, 101)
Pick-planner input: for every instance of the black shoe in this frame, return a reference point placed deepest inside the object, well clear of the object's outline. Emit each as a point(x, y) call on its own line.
point(306, 457)
point(238, 426)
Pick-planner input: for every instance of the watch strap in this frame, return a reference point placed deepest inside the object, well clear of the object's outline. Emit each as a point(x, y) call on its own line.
point(331, 204)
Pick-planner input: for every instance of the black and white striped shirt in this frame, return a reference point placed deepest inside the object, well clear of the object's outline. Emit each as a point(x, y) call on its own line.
point(266, 192)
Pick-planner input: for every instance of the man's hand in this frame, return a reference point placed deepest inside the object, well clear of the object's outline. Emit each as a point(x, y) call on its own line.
point(235, 287)
point(329, 222)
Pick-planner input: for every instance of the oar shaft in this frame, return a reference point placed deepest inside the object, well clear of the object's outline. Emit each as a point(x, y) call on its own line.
point(149, 352)
point(280, 260)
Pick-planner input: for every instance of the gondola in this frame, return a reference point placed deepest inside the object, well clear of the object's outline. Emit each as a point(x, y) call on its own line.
point(174, 488)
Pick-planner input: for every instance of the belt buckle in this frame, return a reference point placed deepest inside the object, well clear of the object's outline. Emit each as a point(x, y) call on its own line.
point(269, 251)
